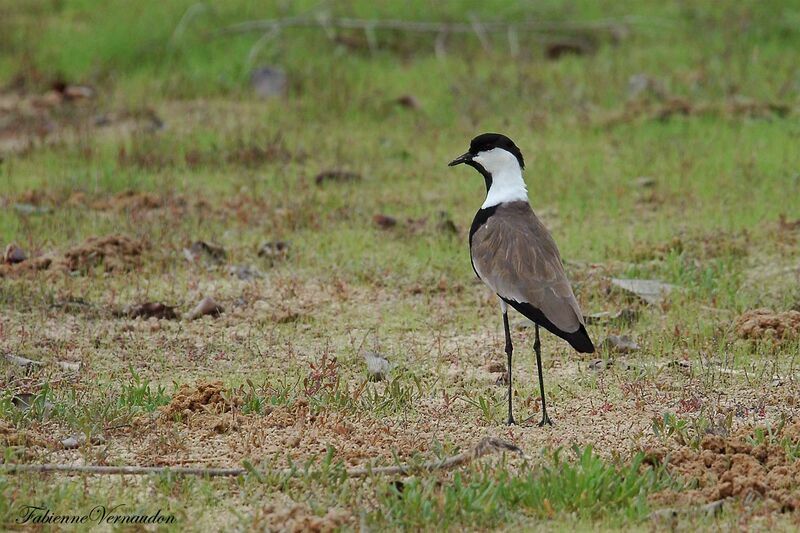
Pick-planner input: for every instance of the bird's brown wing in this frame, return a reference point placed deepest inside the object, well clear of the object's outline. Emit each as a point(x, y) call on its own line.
point(515, 255)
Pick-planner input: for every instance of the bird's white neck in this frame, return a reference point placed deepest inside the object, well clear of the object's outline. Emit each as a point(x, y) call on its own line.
point(507, 186)
point(507, 183)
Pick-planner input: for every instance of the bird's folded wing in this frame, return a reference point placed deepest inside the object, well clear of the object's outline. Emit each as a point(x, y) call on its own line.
point(514, 254)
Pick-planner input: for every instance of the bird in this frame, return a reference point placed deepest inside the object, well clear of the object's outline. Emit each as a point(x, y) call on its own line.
point(513, 253)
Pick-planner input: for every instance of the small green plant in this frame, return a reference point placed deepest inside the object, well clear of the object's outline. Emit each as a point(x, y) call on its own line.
point(487, 407)
point(792, 448)
point(775, 437)
point(586, 486)
point(252, 402)
point(400, 393)
point(138, 393)
point(767, 434)
point(20, 408)
point(686, 432)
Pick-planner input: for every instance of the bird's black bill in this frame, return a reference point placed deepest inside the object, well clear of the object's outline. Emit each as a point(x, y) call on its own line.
point(465, 158)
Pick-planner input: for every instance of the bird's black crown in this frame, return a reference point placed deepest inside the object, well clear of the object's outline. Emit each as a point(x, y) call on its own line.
point(488, 141)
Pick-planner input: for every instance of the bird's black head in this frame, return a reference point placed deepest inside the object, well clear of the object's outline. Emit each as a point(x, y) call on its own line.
point(486, 142)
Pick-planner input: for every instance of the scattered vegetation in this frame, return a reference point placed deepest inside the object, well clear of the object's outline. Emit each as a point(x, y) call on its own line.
point(203, 230)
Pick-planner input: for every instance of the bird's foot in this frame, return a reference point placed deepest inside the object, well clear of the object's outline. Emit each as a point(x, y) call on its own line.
point(511, 421)
point(545, 420)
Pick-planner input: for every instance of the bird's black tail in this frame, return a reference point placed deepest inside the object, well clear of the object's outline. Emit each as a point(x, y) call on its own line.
point(577, 339)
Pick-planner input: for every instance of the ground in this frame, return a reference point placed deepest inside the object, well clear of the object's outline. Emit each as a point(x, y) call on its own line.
point(140, 167)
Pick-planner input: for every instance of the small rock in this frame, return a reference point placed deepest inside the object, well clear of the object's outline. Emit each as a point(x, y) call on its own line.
point(619, 344)
point(377, 366)
point(70, 443)
point(76, 441)
point(651, 291)
point(207, 306)
point(384, 221)
point(202, 250)
point(14, 254)
point(269, 82)
point(645, 182)
point(22, 361)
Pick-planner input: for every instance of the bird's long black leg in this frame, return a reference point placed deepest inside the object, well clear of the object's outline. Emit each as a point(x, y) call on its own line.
point(509, 349)
point(537, 347)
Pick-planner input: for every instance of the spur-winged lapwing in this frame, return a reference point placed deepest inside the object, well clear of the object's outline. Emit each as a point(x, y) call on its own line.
point(513, 253)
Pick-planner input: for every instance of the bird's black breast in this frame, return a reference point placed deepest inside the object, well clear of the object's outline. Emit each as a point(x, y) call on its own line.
point(481, 217)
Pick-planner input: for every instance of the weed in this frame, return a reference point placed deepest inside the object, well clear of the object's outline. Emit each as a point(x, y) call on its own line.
point(588, 486)
point(138, 393)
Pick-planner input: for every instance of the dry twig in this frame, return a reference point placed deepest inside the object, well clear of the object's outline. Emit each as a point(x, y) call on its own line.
point(486, 446)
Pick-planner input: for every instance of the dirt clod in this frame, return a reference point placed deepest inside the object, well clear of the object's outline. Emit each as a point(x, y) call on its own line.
point(336, 176)
point(384, 221)
point(126, 201)
point(731, 467)
point(115, 252)
point(150, 310)
point(765, 323)
point(203, 397)
point(409, 101)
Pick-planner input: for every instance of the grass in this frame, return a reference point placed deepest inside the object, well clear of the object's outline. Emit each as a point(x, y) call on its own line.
point(587, 488)
point(692, 198)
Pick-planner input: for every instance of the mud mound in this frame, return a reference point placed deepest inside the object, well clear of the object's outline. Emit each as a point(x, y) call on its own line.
point(114, 252)
point(129, 201)
point(203, 397)
point(764, 323)
point(734, 467)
